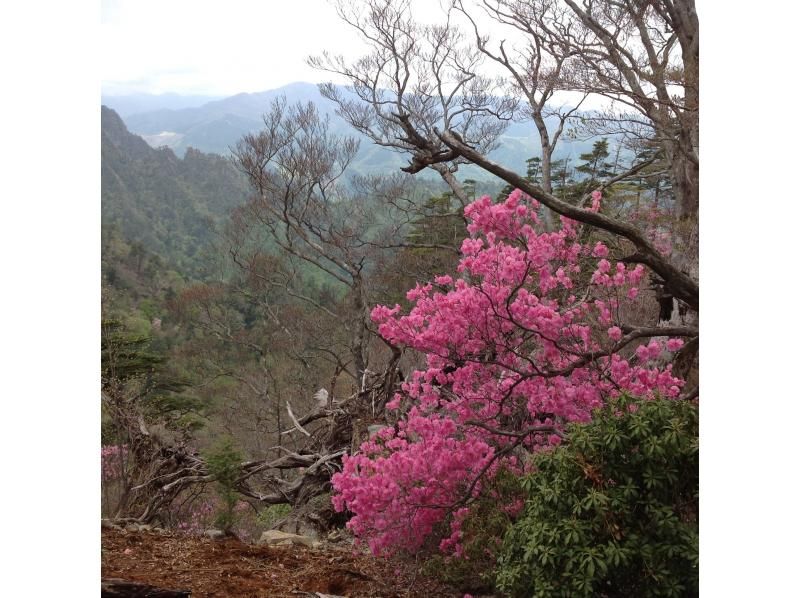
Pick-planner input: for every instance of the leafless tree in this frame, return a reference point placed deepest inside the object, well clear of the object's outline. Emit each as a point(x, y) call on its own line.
point(306, 208)
point(537, 68)
point(294, 166)
point(644, 56)
point(417, 77)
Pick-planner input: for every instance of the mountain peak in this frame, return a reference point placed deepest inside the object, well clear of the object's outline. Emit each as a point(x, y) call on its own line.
point(114, 132)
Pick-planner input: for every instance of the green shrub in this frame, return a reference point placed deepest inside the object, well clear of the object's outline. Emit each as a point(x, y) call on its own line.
point(613, 511)
point(272, 514)
point(223, 462)
point(482, 533)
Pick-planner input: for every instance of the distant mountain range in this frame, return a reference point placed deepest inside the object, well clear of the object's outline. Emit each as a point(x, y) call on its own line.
point(125, 105)
point(214, 125)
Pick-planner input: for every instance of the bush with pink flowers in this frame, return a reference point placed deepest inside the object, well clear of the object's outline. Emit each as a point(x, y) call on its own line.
point(526, 339)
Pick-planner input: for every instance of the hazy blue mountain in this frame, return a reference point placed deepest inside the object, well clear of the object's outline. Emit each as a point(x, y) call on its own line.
point(125, 105)
point(217, 125)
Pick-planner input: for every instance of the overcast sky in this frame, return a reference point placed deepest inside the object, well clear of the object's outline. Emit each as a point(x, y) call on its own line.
point(221, 47)
point(225, 47)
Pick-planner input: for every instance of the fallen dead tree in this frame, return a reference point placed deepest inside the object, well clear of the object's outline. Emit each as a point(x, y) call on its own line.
point(119, 588)
point(168, 472)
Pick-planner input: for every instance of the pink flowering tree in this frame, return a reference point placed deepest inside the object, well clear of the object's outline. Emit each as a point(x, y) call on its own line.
point(529, 337)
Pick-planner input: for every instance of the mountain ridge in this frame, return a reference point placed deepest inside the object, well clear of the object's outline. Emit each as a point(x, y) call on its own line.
point(217, 125)
point(128, 104)
point(164, 202)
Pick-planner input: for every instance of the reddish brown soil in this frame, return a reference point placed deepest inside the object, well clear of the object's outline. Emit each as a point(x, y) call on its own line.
point(232, 568)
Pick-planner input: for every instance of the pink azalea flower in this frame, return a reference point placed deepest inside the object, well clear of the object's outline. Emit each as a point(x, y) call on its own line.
point(674, 344)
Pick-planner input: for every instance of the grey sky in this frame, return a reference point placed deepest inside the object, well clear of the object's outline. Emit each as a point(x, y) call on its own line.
point(221, 47)
point(217, 47)
point(225, 47)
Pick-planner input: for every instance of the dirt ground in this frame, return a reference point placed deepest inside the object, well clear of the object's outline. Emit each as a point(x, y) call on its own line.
point(232, 568)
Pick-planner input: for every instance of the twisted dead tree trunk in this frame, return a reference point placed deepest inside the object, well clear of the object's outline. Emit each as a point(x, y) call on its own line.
point(119, 588)
point(337, 430)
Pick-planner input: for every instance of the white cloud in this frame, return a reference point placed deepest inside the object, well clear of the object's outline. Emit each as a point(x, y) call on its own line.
point(191, 46)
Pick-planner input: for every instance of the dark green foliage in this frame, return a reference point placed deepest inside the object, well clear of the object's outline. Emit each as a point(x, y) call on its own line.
point(653, 183)
point(594, 165)
point(481, 540)
point(132, 372)
point(613, 512)
point(223, 462)
point(125, 355)
point(562, 179)
point(440, 222)
point(533, 174)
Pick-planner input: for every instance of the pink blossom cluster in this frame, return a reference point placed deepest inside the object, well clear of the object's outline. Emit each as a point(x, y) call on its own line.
point(112, 458)
point(657, 225)
point(526, 339)
point(199, 516)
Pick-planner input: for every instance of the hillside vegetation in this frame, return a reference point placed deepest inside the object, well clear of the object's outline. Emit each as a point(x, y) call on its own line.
point(169, 205)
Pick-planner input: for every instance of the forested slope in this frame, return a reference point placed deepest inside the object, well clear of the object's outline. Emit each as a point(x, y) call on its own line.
point(168, 204)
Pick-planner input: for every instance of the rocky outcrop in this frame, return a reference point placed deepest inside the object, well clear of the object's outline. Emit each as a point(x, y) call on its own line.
point(276, 537)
